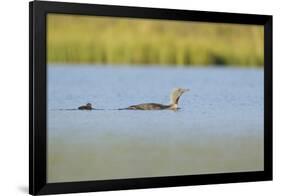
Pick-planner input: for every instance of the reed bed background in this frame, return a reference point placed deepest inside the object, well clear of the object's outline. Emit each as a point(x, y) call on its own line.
point(73, 39)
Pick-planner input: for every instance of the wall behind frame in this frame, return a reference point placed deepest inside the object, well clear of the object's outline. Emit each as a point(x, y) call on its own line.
point(14, 96)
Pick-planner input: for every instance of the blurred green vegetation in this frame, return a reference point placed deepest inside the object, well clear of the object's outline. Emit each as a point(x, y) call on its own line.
point(105, 40)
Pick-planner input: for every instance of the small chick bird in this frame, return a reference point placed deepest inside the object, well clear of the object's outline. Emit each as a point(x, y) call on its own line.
point(88, 106)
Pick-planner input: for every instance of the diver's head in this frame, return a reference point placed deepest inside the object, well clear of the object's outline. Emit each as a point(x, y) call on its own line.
point(176, 93)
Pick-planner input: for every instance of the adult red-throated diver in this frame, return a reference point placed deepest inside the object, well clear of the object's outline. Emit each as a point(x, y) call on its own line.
point(174, 101)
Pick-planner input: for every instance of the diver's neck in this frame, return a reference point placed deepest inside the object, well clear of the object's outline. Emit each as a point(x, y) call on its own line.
point(173, 106)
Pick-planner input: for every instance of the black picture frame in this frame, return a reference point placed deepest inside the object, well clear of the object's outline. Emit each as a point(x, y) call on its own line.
point(37, 97)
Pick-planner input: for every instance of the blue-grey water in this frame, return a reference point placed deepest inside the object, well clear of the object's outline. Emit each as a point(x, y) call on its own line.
point(218, 129)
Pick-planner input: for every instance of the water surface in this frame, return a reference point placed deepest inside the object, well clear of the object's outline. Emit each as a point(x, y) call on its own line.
point(218, 129)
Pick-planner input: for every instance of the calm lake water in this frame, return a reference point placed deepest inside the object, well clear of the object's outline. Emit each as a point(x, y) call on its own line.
point(218, 129)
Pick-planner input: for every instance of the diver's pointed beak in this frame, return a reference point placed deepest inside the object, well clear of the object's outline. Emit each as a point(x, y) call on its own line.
point(185, 90)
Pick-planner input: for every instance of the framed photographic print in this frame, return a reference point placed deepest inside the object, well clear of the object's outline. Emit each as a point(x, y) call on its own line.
point(131, 97)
